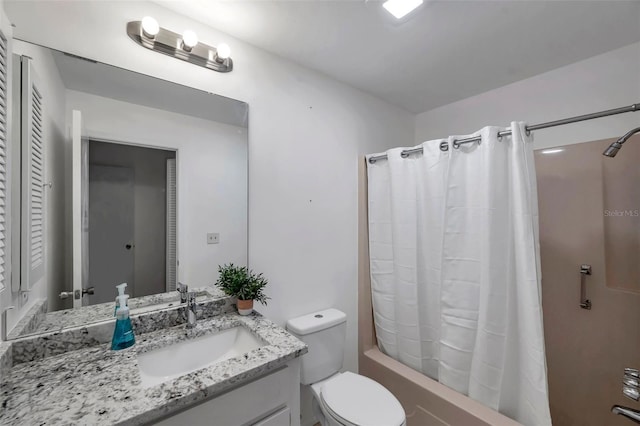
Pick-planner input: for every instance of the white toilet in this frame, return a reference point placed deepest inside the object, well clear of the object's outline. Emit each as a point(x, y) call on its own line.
point(340, 399)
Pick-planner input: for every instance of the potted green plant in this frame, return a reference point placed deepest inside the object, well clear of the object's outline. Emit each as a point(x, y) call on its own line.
point(243, 283)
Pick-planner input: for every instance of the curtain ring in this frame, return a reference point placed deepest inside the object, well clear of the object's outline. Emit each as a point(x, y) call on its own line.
point(404, 154)
point(444, 146)
point(456, 145)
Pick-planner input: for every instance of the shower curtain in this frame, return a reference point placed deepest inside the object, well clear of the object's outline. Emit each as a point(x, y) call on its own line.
point(455, 271)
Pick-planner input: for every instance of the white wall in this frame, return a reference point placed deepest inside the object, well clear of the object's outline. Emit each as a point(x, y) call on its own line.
point(603, 82)
point(53, 100)
point(306, 133)
point(212, 175)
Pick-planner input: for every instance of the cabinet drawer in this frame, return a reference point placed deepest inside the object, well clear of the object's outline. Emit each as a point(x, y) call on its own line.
point(281, 417)
point(239, 406)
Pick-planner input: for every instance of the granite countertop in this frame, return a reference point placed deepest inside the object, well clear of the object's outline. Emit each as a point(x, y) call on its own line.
point(95, 385)
point(38, 321)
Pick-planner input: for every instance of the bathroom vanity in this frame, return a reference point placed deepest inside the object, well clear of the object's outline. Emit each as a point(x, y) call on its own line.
point(227, 370)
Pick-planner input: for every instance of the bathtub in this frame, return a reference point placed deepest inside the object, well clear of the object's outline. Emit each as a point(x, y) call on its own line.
point(426, 402)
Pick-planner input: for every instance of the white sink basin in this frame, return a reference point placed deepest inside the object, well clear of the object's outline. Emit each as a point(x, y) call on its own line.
point(183, 357)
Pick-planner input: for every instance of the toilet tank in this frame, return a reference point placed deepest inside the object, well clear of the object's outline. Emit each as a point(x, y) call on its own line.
point(324, 332)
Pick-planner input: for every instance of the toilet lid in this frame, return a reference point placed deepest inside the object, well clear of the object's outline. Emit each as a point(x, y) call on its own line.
point(361, 401)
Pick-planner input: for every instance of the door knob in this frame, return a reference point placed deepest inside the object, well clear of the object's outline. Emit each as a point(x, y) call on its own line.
point(65, 294)
point(76, 294)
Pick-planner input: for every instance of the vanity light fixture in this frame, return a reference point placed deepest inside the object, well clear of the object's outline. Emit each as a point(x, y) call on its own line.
point(147, 33)
point(400, 8)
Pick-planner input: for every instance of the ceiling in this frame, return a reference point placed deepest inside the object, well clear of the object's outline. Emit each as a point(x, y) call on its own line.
point(127, 86)
point(444, 52)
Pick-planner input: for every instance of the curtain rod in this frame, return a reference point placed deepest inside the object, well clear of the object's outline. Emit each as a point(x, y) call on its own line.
point(444, 146)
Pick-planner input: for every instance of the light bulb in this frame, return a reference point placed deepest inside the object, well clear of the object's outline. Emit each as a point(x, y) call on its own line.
point(150, 27)
point(223, 51)
point(400, 8)
point(552, 151)
point(189, 40)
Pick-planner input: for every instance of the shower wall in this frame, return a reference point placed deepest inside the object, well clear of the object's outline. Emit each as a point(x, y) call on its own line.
point(590, 214)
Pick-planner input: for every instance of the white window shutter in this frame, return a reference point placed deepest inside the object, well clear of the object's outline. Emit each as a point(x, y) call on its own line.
point(33, 160)
point(5, 212)
point(171, 225)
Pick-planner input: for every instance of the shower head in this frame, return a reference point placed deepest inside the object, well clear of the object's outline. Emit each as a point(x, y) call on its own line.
point(613, 149)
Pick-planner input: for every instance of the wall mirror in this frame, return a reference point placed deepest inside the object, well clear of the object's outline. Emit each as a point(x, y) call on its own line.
point(123, 178)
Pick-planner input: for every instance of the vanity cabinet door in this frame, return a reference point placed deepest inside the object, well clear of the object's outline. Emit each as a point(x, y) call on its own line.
point(245, 404)
point(281, 417)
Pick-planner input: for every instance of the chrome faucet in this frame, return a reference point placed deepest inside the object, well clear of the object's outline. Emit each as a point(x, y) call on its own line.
point(191, 309)
point(183, 289)
point(630, 389)
point(629, 413)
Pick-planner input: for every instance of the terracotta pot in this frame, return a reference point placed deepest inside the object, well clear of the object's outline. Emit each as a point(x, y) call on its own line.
point(245, 307)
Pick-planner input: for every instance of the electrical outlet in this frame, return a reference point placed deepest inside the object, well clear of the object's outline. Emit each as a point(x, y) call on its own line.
point(213, 238)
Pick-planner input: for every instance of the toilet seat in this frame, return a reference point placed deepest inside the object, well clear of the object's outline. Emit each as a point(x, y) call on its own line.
point(355, 400)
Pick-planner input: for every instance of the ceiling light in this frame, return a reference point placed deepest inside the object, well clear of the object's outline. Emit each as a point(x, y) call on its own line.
point(185, 46)
point(400, 8)
point(224, 51)
point(552, 151)
point(150, 27)
point(189, 40)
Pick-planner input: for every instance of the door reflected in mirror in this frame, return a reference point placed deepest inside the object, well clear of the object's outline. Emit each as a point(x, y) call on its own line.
point(131, 219)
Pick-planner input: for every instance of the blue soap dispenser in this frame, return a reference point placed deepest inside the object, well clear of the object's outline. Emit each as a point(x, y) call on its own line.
point(123, 334)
